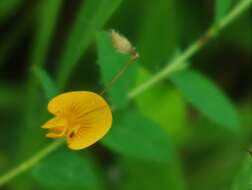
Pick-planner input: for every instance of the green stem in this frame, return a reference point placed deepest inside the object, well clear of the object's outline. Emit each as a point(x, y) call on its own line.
point(175, 65)
point(179, 62)
point(30, 163)
point(14, 37)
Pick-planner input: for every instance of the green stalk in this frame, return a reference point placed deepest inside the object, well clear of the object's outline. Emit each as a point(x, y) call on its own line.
point(179, 62)
point(29, 163)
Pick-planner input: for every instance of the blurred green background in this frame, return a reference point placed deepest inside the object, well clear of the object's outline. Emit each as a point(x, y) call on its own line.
point(190, 131)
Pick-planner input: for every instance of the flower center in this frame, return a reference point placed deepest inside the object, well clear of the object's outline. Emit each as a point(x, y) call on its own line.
point(72, 130)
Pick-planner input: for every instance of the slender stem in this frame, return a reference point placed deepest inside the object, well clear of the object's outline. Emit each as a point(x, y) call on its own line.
point(117, 76)
point(175, 65)
point(30, 163)
point(178, 62)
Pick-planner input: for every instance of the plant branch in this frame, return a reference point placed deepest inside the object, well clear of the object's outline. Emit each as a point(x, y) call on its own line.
point(179, 62)
point(30, 163)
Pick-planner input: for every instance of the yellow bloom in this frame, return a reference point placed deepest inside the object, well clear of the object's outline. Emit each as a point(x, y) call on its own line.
point(82, 117)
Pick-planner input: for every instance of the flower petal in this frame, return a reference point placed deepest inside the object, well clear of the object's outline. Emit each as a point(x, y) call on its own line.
point(88, 116)
point(90, 133)
point(54, 135)
point(55, 122)
point(75, 103)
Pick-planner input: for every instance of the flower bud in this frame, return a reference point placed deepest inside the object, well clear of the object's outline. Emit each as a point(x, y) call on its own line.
point(123, 45)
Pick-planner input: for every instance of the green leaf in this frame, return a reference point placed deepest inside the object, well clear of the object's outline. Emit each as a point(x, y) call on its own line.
point(221, 8)
point(171, 116)
point(93, 14)
point(47, 17)
point(10, 96)
point(46, 82)
point(206, 97)
point(14, 36)
point(111, 62)
point(7, 8)
point(35, 104)
point(65, 169)
point(159, 31)
point(150, 175)
point(135, 136)
point(243, 179)
point(239, 33)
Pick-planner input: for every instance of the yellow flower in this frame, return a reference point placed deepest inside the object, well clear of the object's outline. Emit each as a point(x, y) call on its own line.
point(82, 117)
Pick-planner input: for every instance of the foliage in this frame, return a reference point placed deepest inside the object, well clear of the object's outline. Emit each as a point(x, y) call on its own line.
point(189, 129)
point(207, 98)
point(76, 173)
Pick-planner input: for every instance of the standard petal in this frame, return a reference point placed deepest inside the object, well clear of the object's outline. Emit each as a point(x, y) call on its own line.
point(92, 128)
point(87, 136)
point(76, 105)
